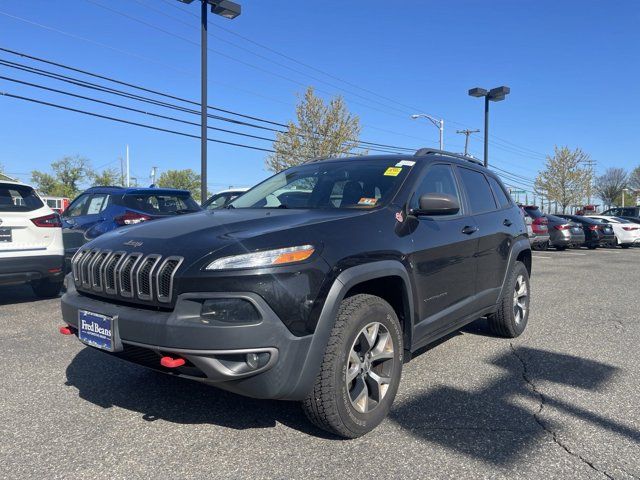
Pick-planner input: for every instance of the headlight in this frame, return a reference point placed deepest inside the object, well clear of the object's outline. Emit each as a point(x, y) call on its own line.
point(265, 258)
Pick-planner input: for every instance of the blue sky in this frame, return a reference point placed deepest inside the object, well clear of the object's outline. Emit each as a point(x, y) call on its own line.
point(573, 69)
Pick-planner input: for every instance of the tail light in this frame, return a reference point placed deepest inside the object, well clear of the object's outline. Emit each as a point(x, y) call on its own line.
point(540, 225)
point(131, 218)
point(48, 221)
point(562, 227)
point(593, 228)
point(630, 229)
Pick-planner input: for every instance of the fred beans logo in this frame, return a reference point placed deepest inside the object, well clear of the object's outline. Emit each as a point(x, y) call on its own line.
point(95, 328)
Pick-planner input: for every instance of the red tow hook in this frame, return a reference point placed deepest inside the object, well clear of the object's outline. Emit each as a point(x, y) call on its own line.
point(65, 330)
point(171, 362)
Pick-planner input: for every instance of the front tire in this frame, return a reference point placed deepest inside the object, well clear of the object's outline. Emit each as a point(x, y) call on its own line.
point(361, 369)
point(512, 315)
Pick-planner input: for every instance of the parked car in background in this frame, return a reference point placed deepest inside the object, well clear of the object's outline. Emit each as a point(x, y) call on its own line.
point(223, 198)
point(627, 233)
point(31, 249)
point(564, 233)
point(101, 209)
point(537, 227)
point(57, 204)
point(622, 212)
point(596, 233)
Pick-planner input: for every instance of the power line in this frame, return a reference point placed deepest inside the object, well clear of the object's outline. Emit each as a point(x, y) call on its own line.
point(128, 122)
point(86, 84)
point(225, 55)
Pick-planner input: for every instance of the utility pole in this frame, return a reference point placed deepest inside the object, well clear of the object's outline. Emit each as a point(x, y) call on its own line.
point(466, 134)
point(589, 164)
point(128, 168)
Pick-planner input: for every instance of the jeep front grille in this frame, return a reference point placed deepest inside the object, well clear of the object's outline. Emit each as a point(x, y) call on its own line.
point(128, 275)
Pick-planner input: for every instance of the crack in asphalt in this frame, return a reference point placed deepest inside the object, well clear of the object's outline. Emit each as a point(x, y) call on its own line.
point(536, 416)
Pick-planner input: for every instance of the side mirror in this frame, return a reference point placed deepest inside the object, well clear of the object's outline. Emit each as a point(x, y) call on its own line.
point(433, 204)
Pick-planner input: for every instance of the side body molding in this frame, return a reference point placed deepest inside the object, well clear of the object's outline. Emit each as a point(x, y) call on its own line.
point(343, 283)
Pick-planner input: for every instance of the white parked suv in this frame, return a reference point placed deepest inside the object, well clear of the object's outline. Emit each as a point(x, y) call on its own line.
point(31, 249)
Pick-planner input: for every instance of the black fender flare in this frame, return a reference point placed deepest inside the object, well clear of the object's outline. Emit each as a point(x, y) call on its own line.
point(341, 285)
point(519, 245)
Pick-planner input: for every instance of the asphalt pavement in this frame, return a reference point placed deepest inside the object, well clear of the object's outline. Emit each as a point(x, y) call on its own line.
point(561, 401)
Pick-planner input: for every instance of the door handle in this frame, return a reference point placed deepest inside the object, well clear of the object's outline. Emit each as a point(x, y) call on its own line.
point(507, 222)
point(468, 230)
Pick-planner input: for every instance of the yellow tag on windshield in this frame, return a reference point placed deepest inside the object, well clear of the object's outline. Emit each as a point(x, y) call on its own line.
point(392, 171)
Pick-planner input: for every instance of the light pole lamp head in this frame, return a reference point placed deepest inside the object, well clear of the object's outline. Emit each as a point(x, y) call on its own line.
point(225, 8)
point(497, 94)
point(186, 1)
point(478, 92)
point(415, 116)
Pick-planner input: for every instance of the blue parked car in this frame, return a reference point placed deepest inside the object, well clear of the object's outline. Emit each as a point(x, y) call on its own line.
point(101, 209)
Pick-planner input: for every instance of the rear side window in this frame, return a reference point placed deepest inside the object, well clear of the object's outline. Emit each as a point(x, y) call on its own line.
point(18, 198)
point(97, 204)
point(503, 199)
point(161, 204)
point(478, 191)
point(77, 207)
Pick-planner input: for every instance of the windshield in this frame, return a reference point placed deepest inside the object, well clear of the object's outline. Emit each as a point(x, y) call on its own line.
point(353, 183)
point(18, 198)
point(161, 203)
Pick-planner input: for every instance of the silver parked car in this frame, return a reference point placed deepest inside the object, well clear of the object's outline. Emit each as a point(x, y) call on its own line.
point(564, 233)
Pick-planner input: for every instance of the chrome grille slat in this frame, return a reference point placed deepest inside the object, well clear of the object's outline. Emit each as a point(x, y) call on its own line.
point(134, 275)
point(85, 263)
point(95, 270)
point(125, 274)
point(164, 278)
point(144, 276)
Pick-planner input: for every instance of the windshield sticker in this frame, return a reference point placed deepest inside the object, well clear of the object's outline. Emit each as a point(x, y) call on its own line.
point(405, 163)
point(367, 201)
point(392, 171)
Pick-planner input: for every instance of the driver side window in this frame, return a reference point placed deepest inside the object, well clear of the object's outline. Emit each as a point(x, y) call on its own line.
point(438, 179)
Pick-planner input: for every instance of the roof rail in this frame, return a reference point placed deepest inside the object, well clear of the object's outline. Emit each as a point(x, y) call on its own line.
point(428, 151)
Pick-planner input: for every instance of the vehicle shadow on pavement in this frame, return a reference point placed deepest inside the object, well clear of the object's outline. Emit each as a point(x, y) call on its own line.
point(16, 294)
point(490, 422)
point(160, 396)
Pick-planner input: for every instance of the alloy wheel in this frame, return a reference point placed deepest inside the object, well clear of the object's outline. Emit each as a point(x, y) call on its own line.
point(520, 299)
point(369, 367)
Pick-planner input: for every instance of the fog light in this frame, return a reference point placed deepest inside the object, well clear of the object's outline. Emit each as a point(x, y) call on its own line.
point(252, 360)
point(229, 310)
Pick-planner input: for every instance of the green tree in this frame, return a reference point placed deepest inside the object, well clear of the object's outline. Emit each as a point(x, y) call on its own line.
point(68, 174)
point(320, 130)
point(610, 185)
point(634, 179)
point(564, 180)
point(185, 179)
point(108, 177)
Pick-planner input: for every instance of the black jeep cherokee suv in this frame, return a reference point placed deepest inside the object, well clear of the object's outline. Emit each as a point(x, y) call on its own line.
point(316, 285)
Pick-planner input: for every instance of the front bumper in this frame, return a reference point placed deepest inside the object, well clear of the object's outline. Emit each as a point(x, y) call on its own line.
point(215, 354)
point(16, 270)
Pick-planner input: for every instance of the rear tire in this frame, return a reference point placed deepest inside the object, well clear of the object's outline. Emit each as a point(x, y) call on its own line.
point(512, 315)
point(625, 245)
point(361, 369)
point(46, 288)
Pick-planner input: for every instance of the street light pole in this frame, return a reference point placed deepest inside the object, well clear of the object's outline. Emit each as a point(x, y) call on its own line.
point(486, 130)
point(226, 9)
point(437, 122)
point(203, 101)
point(494, 95)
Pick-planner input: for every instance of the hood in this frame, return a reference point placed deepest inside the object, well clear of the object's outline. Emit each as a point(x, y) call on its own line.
point(198, 234)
